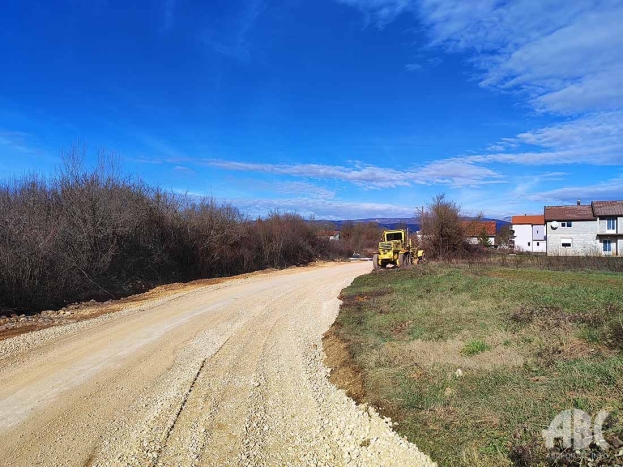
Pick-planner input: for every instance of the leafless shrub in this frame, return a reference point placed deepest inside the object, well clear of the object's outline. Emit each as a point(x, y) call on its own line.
point(93, 233)
point(361, 237)
point(443, 234)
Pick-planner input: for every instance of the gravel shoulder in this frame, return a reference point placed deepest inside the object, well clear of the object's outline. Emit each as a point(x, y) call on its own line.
point(228, 374)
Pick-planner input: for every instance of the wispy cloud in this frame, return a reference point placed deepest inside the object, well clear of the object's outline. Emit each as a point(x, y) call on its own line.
point(607, 190)
point(595, 139)
point(163, 150)
point(561, 57)
point(231, 38)
point(565, 57)
point(17, 141)
point(309, 189)
point(380, 12)
point(454, 173)
point(322, 208)
point(182, 170)
point(413, 67)
point(168, 15)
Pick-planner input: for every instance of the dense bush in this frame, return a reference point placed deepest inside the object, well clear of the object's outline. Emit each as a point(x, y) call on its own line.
point(361, 237)
point(443, 231)
point(92, 233)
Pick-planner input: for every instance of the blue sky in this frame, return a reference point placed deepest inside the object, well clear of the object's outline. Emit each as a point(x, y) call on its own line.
point(332, 108)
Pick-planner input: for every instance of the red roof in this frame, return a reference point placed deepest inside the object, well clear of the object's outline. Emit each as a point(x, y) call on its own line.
point(529, 220)
point(476, 228)
point(569, 213)
point(607, 208)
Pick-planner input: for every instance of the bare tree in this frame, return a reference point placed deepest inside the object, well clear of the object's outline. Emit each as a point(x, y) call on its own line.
point(442, 229)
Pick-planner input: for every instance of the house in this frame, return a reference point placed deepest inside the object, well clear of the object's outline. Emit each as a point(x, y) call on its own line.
point(329, 234)
point(610, 226)
point(595, 229)
point(474, 231)
point(529, 233)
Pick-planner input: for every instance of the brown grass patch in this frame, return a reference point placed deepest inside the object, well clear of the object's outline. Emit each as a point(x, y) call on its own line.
point(426, 354)
point(545, 317)
point(401, 327)
point(365, 296)
point(345, 373)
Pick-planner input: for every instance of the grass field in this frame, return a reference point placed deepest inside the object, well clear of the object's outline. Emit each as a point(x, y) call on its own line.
point(472, 363)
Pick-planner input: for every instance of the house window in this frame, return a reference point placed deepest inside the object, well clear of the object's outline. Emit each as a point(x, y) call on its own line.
point(538, 243)
point(528, 243)
point(607, 245)
point(566, 243)
point(611, 225)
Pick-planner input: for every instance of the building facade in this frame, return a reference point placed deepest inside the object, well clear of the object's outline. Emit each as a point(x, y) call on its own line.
point(529, 233)
point(580, 230)
point(609, 216)
point(477, 230)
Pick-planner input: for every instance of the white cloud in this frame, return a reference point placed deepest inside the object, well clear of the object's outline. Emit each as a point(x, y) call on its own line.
point(16, 140)
point(565, 56)
point(322, 208)
point(561, 57)
point(607, 190)
point(595, 139)
point(413, 67)
point(231, 37)
point(309, 189)
point(454, 173)
point(181, 170)
point(381, 12)
point(19, 141)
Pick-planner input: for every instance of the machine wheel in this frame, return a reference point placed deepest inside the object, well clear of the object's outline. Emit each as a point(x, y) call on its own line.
point(375, 262)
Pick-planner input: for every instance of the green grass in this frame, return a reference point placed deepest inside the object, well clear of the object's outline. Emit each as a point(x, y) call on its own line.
point(529, 343)
point(474, 347)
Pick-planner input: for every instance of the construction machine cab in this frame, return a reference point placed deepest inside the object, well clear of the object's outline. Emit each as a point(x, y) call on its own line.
point(396, 235)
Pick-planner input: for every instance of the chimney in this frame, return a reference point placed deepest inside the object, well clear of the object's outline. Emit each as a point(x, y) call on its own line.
point(579, 202)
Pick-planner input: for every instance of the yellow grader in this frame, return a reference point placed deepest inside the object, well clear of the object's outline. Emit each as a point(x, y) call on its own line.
point(395, 248)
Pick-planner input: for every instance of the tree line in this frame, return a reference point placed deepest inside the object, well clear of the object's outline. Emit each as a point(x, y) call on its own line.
point(93, 233)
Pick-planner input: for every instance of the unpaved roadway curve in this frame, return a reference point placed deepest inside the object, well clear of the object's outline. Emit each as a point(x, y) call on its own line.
point(228, 375)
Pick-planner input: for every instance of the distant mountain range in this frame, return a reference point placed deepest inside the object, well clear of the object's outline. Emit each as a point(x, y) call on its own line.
point(412, 223)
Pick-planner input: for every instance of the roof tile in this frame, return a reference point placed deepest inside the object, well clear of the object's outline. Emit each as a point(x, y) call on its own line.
point(475, 228)
point(569, 213)
point(537, 219)
point(607, 208)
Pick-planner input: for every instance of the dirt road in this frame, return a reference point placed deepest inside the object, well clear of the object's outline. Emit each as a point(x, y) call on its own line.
point(228, 375)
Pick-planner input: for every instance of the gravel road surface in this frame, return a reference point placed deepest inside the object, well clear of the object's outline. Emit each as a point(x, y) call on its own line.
point(227, 375)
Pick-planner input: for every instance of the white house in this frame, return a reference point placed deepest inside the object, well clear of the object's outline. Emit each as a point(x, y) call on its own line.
point(477, 230)
point(610, 226)
point(529, 233)
point(595, 229)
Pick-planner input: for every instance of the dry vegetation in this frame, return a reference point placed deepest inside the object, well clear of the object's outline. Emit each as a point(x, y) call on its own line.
point(96, 234)
point(529, 343)
point(551, 263)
